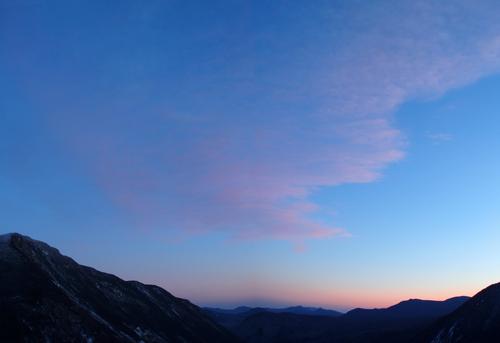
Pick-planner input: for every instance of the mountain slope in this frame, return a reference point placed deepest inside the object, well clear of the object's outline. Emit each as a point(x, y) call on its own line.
point(45, 296)
point(476, 321)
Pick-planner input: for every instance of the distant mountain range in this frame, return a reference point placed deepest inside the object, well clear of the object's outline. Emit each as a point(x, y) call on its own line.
point(397, 323)
point(48, 297)
point(308, 311)
point(232, 318)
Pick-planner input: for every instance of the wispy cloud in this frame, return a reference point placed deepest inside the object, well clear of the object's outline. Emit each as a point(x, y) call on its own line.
point(263, 128)
point(440, 137)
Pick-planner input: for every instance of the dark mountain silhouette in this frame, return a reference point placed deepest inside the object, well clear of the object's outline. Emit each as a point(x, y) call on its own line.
point(404, 314)
point(398, 323)
point(312, 311)
point(411, 308)
point(266, 327)
point(48, 297)
point(309, 311)
point(237, 310)
point(231, 318)
point(476, 321)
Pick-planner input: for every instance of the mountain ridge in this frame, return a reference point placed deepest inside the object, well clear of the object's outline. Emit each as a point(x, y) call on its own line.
point(297, 309)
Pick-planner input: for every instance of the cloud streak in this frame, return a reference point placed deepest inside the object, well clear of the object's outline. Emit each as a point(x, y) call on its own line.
point(239, 144)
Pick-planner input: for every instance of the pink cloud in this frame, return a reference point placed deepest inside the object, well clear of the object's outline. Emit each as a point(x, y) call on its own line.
point(217, 183)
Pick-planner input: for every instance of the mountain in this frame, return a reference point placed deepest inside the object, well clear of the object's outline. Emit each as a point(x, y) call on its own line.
point(411, 308)
point(267, 327)
point(231, 318)
point(45, 296)
point(309, 311)
point(476, 321)
point(406, 312)
point(312, 311)
point(398, 323)
point(237, 310)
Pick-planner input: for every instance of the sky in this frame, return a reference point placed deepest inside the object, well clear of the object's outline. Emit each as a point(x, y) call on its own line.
point(267, 153)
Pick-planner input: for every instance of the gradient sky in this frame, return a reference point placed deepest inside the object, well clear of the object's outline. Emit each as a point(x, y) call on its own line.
point(324, 153)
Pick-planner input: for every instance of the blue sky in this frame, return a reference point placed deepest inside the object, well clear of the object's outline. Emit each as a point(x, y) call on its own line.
point(332, 153)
